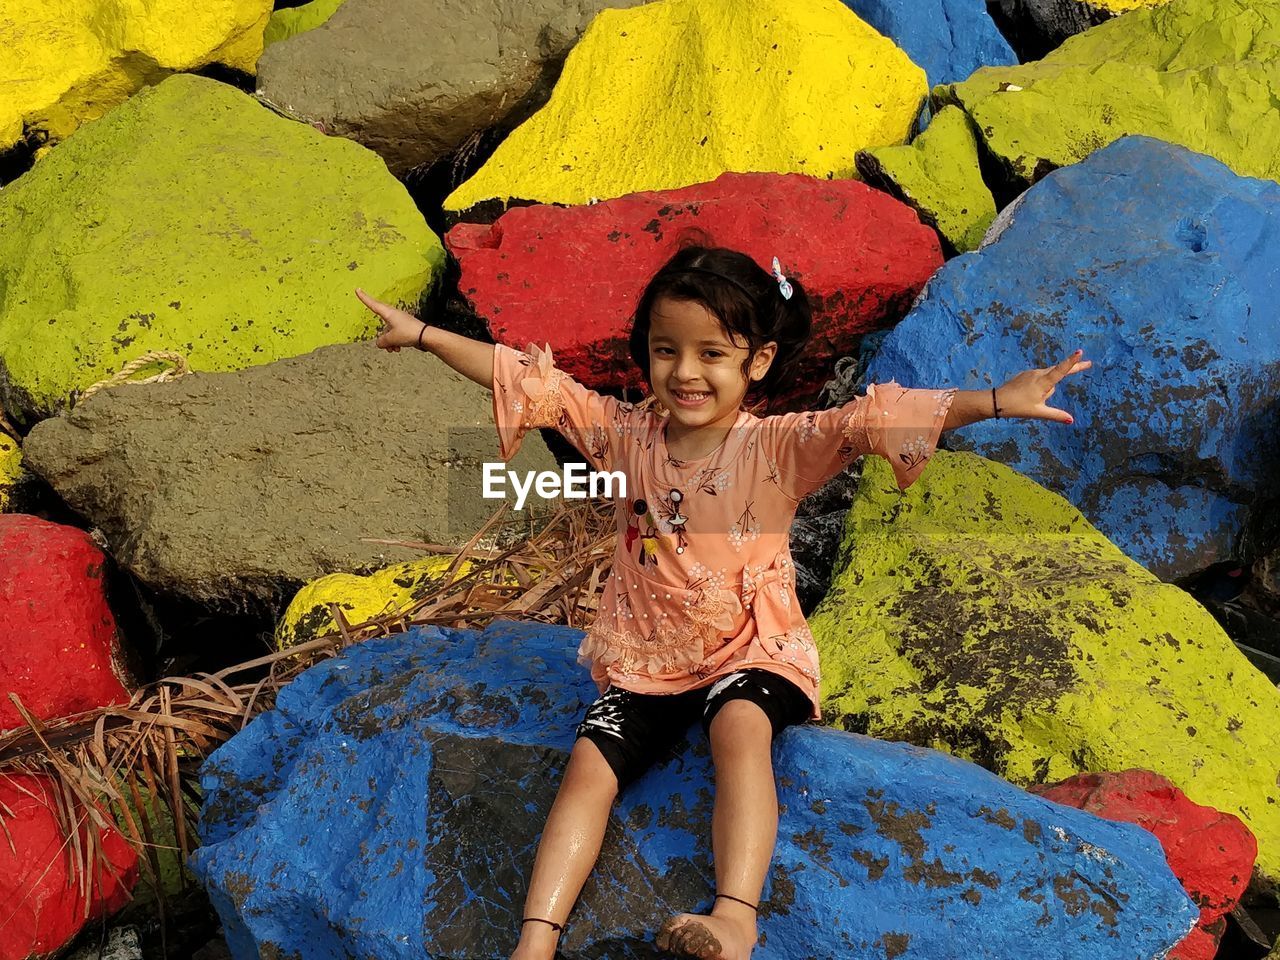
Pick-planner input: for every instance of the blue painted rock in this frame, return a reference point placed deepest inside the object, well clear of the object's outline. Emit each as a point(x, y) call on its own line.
point(948, 38)
point(389, 806)
point(1162, 265)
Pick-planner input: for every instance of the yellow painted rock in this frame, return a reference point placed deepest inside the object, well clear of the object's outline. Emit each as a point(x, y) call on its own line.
point(64, 62)
point(11, 472)
point(360, 598)
point(292, 21)
point(937, 174)
point(679, 91)
point(981, 614)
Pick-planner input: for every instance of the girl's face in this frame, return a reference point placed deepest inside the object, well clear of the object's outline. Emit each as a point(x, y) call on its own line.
point(696, 368)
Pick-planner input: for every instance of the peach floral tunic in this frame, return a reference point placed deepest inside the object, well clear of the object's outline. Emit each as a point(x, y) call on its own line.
point(703, 583)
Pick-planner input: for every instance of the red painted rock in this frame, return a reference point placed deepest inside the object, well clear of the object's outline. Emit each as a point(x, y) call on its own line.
point(571, 276)
point(59, 651)
point(41, 902)
point(1211, 852)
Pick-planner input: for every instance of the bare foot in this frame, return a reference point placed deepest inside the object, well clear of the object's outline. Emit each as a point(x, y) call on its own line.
point(537, 942)
point(729, 933)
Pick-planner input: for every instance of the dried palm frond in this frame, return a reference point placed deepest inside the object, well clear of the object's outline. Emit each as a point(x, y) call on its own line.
point(136, 758)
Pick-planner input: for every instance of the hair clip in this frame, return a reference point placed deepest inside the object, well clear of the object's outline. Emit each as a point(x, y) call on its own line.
point(783, 286)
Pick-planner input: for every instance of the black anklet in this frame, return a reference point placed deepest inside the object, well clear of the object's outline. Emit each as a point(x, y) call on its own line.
point(554, 926)
point(725, 896)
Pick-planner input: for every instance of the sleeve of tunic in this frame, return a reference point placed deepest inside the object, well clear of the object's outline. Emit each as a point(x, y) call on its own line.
point(902, 425)
point(529, 392)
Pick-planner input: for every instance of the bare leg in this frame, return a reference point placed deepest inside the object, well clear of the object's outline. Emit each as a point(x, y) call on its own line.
point(743, 830)
point(568, 849)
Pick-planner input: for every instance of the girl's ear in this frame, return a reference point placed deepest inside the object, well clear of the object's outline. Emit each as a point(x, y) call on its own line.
point(761, 360)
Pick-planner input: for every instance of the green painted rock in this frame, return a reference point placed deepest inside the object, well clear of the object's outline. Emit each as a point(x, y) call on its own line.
point(1201, 73)
point(938, 175)
point(235, 489)
point(981, 614)
point(67, 62)
point(193, 219)
point(292, 21)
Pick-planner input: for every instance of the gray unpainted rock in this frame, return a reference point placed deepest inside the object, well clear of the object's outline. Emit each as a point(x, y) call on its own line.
point(232, 487)
point(121, 943)
point(413, 80)
point(1046, 23)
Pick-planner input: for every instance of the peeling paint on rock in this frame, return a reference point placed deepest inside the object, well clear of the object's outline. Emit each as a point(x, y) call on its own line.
point(1177, 425)
point(11, 472)
point(389, 807)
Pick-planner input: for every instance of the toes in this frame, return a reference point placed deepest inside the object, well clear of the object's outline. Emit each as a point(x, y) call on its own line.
point(665, 934)
point(705, 946)
point(693, 939)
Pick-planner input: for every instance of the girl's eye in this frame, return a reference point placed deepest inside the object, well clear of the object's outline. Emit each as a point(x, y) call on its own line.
point(663, 351)
point(712, 354)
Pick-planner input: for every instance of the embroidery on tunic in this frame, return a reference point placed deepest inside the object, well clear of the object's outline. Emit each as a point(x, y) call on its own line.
point(544, 404)
point(796, 648)
point(746, 529)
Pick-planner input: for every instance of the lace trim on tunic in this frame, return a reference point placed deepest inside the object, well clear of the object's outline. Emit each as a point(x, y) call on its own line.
point(915, 449)
point(667, 648)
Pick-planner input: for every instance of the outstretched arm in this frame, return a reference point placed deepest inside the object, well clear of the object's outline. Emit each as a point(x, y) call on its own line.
point(1023, 396)
point(471, 358)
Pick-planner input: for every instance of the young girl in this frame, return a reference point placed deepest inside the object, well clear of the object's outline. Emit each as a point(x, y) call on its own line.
point(699, 618)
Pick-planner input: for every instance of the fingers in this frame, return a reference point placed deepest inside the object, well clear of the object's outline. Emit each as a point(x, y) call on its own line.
point(377, 306)
point(1072, 364)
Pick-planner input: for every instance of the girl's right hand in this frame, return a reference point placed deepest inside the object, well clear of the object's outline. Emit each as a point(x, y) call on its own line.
point(400, 329)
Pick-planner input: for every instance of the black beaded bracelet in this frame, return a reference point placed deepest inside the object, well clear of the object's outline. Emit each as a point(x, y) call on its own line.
point(993, 403)
point(420, 333)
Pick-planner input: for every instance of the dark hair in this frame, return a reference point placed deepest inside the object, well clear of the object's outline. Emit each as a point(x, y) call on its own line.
point(742, 295)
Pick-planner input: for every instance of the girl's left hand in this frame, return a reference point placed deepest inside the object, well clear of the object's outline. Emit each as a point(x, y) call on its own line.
point(1025, 394)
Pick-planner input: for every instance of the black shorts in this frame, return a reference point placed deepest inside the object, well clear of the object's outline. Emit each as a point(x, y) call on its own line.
point(633, 730)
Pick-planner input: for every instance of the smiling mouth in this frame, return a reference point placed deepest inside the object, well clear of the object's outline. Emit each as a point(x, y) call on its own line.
point(690, 398)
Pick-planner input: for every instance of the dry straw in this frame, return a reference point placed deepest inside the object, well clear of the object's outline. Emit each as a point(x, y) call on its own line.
point(114, 760)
